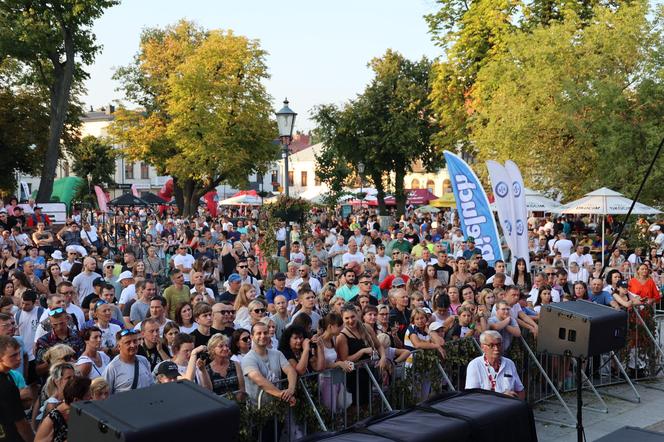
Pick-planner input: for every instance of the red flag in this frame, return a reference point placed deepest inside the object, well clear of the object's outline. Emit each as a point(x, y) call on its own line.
point(134, 191)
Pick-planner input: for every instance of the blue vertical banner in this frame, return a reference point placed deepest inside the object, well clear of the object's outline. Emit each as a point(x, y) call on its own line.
point(473, 208)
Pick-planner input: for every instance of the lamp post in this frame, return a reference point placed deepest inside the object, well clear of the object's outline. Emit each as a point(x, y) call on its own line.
point(285, 123)
point(360, 169)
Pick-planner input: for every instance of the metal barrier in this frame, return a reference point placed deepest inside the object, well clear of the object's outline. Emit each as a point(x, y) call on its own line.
point(329, 400)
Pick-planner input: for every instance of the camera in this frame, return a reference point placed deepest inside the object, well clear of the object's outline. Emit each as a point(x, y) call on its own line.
point(204, 356)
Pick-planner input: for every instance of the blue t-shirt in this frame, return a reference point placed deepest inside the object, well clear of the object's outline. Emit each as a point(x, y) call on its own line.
point(603, 298)
point(288, 293)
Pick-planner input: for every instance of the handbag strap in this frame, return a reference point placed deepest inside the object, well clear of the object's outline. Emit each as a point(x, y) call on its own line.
point(134, 383)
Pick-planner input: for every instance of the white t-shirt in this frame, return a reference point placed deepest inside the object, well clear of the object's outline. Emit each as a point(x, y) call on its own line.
point(187, 262)
point(349, 257)
point(659, 240)
point(313, 283)
point(581, 260)
point(27, 327)
point(92, 234)
point(581, 275)
point(564, 246)
point(532, 296)
point(383, 262)
point(108, 334)
point(128, 293)
point(95, 371)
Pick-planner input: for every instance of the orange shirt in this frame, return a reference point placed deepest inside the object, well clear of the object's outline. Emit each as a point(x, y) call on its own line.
point(647, 290)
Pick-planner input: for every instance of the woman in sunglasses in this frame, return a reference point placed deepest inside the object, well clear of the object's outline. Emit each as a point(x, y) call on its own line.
point(240, 344)
point(257, 311)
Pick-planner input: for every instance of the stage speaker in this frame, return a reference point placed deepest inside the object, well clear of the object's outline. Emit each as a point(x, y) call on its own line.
point(581, 329)
point(633, 434)
point(172, 412)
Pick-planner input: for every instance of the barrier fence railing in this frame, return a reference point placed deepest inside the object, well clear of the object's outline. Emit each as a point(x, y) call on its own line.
point(333, 400)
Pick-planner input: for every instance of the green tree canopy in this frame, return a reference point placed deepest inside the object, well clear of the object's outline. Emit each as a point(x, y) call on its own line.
point(206, 116)
point(577, 106)
point(52, 40)
point(387, 127)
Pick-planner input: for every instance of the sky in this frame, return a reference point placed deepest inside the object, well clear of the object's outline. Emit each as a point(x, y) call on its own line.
point(317, 50)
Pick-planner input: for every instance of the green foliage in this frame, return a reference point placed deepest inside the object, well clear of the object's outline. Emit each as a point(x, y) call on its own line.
point(95, 157)
point(585, 98)
point(206, 116)
point(52, 40)
point(387, 127)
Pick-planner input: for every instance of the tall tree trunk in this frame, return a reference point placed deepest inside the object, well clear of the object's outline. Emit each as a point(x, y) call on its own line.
point(191, 194)
point(400, 196)
point(380, 189)
point(177, 194)
point(60, 93)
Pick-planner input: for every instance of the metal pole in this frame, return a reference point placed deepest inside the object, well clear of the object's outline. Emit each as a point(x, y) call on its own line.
point(284, 144)
point(579, 401)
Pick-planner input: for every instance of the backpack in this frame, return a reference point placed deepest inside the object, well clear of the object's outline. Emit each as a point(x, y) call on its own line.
point(40, 312)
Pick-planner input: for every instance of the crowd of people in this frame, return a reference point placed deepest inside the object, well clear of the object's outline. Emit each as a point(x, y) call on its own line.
point(101, 306)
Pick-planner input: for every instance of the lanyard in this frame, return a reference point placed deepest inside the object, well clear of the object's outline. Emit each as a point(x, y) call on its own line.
point(491, 373)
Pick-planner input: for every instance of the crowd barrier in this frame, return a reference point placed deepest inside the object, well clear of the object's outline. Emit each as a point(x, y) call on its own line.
point(322, 404)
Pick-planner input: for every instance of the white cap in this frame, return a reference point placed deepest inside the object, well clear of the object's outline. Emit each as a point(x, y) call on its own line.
point(655, 228)
point(125, 275)
point(57, 255)
point(435, 326)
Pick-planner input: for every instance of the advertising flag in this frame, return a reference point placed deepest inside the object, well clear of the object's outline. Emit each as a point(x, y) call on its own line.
point(518, 195)
point(473, 207)
point(101, 199)
point(501, 184)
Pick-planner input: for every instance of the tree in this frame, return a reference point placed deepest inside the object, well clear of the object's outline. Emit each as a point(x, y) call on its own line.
point(24, 117)
point(388, 127)
point(53, 39)
point(93, 158)
point(577, 105)
point(206, 116)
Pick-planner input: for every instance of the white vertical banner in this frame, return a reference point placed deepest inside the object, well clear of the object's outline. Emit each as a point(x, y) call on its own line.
point(518, 196)
point(26, 190)
point(501, 184)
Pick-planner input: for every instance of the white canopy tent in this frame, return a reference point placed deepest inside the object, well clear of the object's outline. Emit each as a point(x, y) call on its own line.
point(604, 202)
point(536, 202)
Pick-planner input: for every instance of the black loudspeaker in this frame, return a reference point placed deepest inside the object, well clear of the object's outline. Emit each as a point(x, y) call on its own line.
point(633, 434)
point(470, 416)
point(173, 412)
point(581, 329)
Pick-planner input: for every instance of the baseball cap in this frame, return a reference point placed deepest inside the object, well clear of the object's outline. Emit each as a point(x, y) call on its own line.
point(108, 262)
point(398, 282)
point(471, 239)
point(234, 278)
point(279, 275)
point(125, 275)
point(98, 281)
point(168, 369)
point(3, 210)
point(622, 284)
point(435, 326)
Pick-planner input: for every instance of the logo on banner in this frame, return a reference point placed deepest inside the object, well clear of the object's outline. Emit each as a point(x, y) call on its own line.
point(502, 189)
point(519, 227)
point(508, 227)
point(516, 188)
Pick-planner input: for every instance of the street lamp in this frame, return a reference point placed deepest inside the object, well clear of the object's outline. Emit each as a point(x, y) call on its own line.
point(285, 123)
point(360, 169)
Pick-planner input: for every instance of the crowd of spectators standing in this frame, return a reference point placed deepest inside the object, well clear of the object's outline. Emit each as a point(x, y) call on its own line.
point(89, 310)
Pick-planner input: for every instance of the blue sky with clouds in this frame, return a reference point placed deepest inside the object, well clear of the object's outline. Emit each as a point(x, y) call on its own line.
point(318, 50)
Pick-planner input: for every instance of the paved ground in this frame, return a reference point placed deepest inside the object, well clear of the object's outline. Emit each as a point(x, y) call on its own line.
point(646, 414)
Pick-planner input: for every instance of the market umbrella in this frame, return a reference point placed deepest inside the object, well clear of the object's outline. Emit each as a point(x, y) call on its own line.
point(419, 197)
point(154, 200)
point(604, 202)
point(447, 200)
point(243, 198)
point(128, 200)
point(427, 209)
point(536, 202)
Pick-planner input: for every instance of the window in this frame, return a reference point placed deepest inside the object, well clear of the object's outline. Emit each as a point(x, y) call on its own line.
point(316, 180)
point(431, 186)
point(129, 171)
point(415, 184)
point(291, 178)
point(145, 171)
point(275, 177)
point(447, 186)
point(303, 178)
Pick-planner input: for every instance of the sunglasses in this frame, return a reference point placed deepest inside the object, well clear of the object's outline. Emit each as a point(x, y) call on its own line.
point(259, 310)
point(57, 311)
point(226, 312)
point(128, 331)
point(365, 282)
point(242, 267)
point(245, 339)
